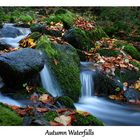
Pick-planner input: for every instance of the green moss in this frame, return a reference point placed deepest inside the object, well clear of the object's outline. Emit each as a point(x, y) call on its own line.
point(41, 90)
point(96, 34)
point(78, 38)
point(86, 120)
point(128, 48)
point(67, 71)
point(108, 53)
point(9, 117)
point(129, 76)
point(64, 16)
point(51, 115)
point(136, 64)
point(131, 50)
point(66, 101)
point(35, 35)
point(25, 18)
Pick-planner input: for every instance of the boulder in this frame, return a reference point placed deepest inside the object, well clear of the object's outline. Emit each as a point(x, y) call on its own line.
point(77, 38)
point(132, 94)
point(64, 64)
point(3, 45)
point(10, 31)
point(20, 66)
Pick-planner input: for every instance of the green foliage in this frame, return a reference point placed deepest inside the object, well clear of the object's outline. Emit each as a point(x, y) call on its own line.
point(51, 115)
point(66, 101)
point(67, 71)
point(9, 117)
point(87, 120)
point(108, 53)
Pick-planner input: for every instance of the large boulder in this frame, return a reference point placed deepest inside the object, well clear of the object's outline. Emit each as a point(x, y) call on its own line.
point(64, 63)
point(20, 66)
point(10, 31)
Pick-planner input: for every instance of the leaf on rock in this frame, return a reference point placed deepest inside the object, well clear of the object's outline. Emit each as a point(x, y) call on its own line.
point(65, 120)
point(45, 98)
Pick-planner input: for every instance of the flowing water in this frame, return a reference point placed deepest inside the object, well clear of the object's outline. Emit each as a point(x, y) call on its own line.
point(7, 100)
point(49, 83)
point(14, 41)
point(109, 112)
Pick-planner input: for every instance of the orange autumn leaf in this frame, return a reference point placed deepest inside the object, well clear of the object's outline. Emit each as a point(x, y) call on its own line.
point(42, 110)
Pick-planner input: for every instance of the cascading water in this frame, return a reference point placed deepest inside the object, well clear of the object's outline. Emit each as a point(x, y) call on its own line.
point(109, 112)
point(86, 78)
point(14, 41)
point(49, 83)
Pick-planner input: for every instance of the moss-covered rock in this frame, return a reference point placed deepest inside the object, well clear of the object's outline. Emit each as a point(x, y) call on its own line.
point(108, 52)
point(66, 102)
point(64, 16)
point(131, 50)
point(35, 35)
point(78, 38)
point(64, 64)
point(86, 120)
point(9, 117)
point(129, 76)
point(50, 116)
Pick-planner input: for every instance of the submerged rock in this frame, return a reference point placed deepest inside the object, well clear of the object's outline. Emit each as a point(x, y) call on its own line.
point(20, 66)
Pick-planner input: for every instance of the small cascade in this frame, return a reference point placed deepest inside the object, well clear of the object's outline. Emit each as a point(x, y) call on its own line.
point(87, 82)
point(7, 100)
point(14, 41)
point(49, 83)
point(87, 79)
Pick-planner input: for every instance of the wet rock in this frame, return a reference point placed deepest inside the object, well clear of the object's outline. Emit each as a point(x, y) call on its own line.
point(3, 45)
point(20, 66)
point(77, 38)
point(132, 94)
point(66, 102)
point(10, 31)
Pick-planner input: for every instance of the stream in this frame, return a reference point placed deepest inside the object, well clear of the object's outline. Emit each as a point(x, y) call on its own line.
point(111, 113)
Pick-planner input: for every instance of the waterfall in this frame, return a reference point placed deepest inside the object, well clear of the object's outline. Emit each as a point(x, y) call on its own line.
point(86, 78)
point(49, 83)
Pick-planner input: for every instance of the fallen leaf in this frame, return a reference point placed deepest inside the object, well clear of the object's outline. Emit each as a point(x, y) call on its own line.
point(65, 120)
